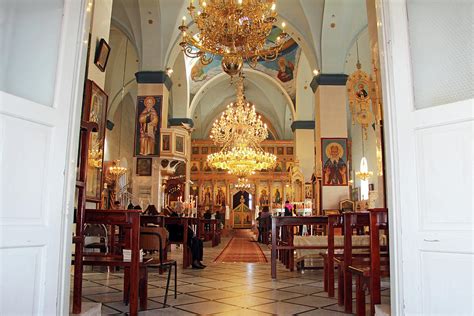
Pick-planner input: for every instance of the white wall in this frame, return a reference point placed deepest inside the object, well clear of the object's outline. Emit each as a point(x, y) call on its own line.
point(304, 143)
point(355, 130)
point(100, 29)
point(304, 93)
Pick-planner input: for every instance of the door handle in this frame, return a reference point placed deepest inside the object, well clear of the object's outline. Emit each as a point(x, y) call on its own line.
point(431, 240)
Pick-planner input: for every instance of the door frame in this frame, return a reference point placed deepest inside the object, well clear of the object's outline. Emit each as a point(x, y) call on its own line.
point(387, 12)
point(76, 20)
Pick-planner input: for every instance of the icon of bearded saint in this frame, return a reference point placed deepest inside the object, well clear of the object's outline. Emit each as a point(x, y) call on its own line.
point(148, 120)
point(335, 168)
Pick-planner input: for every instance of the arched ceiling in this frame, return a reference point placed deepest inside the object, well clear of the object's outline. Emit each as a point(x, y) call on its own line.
point(269, 99)
point(153, 26)
point(325, 30)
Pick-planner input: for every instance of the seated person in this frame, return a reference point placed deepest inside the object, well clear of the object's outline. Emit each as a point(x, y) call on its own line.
point(197, 249)
point(259, 227)
point(207, 215)
point(264, 223)
point(151, 210)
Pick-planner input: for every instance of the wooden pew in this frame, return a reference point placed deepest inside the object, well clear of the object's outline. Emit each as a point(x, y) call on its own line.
point(129, 220)
point(353, 221)
point(183, 222)
point(212, 234)
point(334, 221)
point(286, 248)
point(368, 275)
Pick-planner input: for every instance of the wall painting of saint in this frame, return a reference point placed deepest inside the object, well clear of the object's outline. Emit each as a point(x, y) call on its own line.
point(334, 161)
point(147, 128)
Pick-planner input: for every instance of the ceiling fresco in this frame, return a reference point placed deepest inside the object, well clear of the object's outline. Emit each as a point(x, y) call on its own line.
point(282, 69)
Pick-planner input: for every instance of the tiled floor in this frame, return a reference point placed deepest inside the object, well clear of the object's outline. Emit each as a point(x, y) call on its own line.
point(223, 289)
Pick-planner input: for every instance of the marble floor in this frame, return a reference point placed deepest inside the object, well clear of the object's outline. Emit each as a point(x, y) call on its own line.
point(223, 289)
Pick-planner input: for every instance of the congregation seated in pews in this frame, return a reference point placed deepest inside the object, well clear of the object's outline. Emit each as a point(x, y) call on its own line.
point(115, 238)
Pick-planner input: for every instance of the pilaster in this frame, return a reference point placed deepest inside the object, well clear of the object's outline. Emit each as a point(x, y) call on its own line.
point(331, 122)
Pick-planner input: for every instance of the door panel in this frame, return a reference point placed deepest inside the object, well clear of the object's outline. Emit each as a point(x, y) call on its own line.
point(430, 156)
point(39, 130)
point(444, 180)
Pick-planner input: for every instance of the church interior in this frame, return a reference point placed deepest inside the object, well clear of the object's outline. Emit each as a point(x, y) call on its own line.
point(173, 142)
point(232, 160)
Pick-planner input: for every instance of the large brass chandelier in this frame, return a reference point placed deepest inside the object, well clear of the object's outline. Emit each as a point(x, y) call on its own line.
point(234, 29)
point(239, 132)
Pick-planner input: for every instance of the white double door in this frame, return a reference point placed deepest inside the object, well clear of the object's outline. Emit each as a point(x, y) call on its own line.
point(427, 66)
point(42, 62)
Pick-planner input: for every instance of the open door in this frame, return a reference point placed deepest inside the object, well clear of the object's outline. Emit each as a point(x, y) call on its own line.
point(41, 81)
point(427, 67)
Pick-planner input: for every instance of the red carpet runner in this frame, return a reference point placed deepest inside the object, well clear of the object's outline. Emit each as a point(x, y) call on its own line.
point(242, 248)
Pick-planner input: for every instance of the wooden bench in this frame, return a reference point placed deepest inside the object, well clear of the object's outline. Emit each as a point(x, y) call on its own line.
point(285, 248)
point(210, 234)
point(129, 221)
point(117, 261)
point(353, 222)
point(183, 222)
point(369, 274)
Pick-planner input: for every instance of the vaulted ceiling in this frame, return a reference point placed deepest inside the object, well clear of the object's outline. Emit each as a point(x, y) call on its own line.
point(324, 29)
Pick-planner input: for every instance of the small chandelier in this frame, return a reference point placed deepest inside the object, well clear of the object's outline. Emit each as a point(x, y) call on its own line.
point(239, 132)
point(239, 124)
point(94, 158)
point(364, 174)
point(237, 30)
point(241, 161)
point(116, 169)
point(243, 184)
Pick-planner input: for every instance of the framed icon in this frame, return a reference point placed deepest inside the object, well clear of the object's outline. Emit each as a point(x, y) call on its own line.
point(144, 166)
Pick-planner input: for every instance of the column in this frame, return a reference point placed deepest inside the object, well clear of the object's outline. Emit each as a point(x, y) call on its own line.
point(331, 122)
point(154, 83)
point(304, 143)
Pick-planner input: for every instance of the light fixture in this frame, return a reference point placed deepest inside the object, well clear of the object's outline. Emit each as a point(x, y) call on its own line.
point(235, 30)
point(243, 184)
point(239, 132)
point(117, 170)
point(364, 174)
point(94, 157)
point(169, 71)
point(315, 72)
point(360, 89)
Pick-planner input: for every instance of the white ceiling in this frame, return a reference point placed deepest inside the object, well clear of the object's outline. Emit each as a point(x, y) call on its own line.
point(152, 27)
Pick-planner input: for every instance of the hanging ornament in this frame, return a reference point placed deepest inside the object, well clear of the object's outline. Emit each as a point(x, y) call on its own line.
point(360, 91)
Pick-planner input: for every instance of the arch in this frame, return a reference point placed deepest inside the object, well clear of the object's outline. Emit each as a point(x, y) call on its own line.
point(223, 76)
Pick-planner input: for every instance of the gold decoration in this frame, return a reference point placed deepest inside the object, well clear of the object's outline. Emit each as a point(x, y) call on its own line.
point(360, 91)
point(239, 132)
point(116, 169)
point(234, 29)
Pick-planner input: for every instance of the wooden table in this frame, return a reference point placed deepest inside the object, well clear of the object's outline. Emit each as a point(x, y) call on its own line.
point(280, 221)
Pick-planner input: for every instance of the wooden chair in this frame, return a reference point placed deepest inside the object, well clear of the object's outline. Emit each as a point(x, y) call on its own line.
point(368, 275)
point(154, 240)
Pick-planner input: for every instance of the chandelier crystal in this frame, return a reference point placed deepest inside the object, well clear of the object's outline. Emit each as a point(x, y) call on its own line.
point(234, 29)
point(239, 132)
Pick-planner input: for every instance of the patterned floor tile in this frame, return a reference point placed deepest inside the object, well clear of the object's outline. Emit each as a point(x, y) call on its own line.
point(282, 308)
